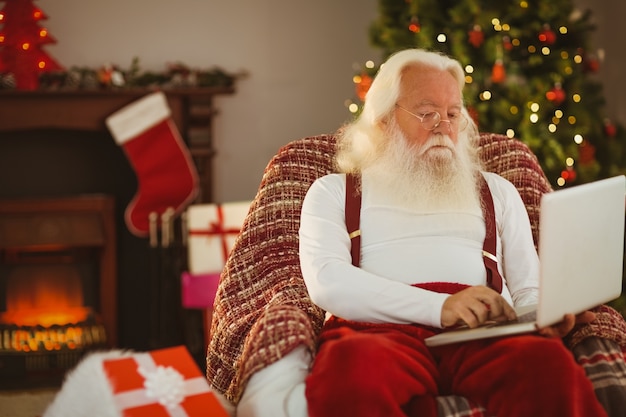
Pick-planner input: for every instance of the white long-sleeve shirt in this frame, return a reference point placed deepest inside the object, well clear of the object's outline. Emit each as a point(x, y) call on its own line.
point(400, 247)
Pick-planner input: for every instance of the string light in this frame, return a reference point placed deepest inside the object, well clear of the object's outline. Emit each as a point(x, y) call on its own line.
point(441, 38)
point(578, 139)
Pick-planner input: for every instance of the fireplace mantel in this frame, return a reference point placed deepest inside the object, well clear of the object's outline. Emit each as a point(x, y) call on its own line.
point(86, 110)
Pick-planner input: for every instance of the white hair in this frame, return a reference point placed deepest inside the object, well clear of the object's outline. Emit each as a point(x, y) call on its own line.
point(361, 141)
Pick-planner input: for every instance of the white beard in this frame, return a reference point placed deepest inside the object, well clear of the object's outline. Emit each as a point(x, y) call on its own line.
point(434, 177)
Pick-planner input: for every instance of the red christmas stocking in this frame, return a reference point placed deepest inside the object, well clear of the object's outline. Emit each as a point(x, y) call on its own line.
point(166, 175)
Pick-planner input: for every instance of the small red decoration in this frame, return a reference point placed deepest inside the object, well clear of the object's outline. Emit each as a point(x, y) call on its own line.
point(506, 43)
point(498, 72)
point(363, 86)
point(591, 64)
point(414, 25)
point(476, 36)
point(609, 128)
point(21, 40)
point(547, 36)
point(569, 174)
point(556, 95)
point(586, 153)
point(473, 113)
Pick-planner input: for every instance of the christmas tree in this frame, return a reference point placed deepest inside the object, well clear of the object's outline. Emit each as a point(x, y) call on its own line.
point(21, 42)
point(530, 74)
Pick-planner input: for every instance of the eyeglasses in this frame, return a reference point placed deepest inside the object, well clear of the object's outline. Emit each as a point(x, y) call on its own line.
point(431, 120)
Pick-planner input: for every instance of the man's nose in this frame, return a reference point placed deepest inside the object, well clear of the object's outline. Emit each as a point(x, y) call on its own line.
point(444, 126)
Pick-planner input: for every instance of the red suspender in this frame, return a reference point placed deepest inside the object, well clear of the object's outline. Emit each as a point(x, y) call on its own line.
point(494, 279)
point(353, 219)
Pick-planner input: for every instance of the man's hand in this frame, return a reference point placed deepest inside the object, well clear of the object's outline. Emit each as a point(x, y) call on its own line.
point(569, 321)
point(473, 306)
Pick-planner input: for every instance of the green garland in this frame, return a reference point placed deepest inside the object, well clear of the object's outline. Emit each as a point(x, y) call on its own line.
point(111, 77)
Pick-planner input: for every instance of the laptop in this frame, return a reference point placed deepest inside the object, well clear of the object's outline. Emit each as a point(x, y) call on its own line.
point(581, 250)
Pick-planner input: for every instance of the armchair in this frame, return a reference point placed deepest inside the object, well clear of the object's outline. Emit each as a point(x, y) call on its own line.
point(262, 309)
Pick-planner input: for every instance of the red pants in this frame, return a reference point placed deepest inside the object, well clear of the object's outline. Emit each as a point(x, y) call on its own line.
point(386, 370)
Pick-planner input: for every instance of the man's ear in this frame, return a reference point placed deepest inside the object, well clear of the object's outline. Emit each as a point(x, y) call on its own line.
point(383, 123)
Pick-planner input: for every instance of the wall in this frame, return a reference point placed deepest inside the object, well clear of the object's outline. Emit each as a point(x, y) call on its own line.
point(610, 37)
point(299, 54)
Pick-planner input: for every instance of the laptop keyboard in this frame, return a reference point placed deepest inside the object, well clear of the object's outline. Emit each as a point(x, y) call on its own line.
point(527, 317)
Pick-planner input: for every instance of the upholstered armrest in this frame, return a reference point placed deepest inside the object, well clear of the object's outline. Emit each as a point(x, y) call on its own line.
point(278, 330)
point(262, 309)
point(609, 324)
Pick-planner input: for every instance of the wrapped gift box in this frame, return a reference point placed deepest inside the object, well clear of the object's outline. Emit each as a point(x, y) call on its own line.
point(198, 291)
point(212, 231)
point(161, 383)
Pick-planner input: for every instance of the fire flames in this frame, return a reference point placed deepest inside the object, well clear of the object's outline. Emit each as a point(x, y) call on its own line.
point(39, 296)
point(45, 311)
point(51, 339)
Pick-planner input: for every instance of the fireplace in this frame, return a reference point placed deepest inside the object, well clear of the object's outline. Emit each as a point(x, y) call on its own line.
point(57, 284)
point(54, 146)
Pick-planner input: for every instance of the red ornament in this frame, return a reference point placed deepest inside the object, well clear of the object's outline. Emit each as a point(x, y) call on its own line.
point(21, 41)
point(363, 86)
point(473, 113)
point(498, 72)
point(586, 153)
point(506, 43)
point(547, 36)
point(415, 26)
point(569, 174)
point(609, 128)
point(591, 64)
point(556, 95)
point(476, 36)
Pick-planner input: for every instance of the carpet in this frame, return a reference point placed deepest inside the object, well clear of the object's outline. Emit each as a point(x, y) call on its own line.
point(30, 403)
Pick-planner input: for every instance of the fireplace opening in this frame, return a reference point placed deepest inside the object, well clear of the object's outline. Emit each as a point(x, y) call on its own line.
point(44, 295)
point(57, 284)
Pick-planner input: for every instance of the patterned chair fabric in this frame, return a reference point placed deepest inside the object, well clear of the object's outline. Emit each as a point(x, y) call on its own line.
point(262, 310)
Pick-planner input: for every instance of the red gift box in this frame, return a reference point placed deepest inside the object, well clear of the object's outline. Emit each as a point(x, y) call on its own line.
point(161, 383)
